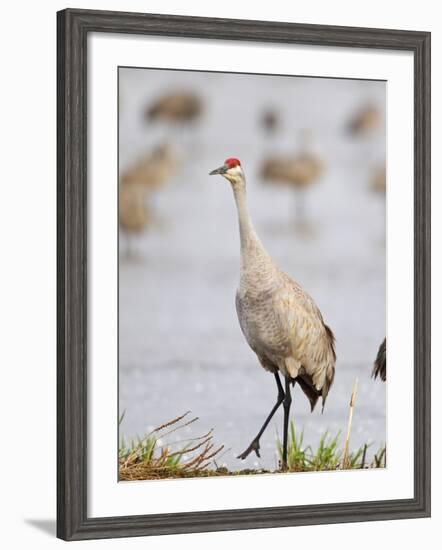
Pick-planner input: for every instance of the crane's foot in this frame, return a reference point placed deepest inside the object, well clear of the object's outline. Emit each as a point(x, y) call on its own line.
point(254, 446)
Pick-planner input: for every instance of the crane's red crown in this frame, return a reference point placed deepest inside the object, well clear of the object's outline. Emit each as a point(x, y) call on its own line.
point(232, 162)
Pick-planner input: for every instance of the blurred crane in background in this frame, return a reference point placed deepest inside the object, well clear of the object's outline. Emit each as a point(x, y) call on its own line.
point(180, 109)
point(298, 171)
point(153, 170)
point(378, 182)
point(137, 185)
point(269, 120)
point(365, 120)
point(133, 213)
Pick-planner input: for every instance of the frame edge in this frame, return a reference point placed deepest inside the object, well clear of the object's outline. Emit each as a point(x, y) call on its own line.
point(72, 521)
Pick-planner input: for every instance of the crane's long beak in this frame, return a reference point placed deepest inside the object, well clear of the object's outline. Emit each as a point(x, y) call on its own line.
point(221, 170)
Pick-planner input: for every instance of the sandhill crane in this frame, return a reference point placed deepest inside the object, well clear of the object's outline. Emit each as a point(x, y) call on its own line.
point(269, 120)
point(136, 185)
point(298, 171)
point(176, 107)
point(133, 212)
point(365, 120)
point(378, 182)
point(279, 320)
point(154, 170)
point(380, 364)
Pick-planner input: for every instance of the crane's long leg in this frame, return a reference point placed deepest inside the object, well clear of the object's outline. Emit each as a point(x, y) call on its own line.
point(286, 404)
point(254, 445)
point(300, 206)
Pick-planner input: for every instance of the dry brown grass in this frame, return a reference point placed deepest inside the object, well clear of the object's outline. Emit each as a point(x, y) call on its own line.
point(150, 458)
point(147, 459)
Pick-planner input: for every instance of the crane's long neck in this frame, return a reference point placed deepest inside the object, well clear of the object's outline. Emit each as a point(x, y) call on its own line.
point(246, 231)
point(250, 244)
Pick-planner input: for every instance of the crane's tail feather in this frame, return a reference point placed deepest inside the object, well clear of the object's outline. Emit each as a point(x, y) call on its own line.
point(380, 364)
point(330, 372)
point(330, 376)
point(310, 392)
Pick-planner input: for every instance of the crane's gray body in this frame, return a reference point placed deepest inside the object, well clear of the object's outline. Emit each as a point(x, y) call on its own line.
point(279, 320)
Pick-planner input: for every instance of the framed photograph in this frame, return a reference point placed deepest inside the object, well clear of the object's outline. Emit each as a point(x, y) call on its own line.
point(243, 244)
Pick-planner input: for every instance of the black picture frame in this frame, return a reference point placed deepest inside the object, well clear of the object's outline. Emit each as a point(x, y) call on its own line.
point(73, 27)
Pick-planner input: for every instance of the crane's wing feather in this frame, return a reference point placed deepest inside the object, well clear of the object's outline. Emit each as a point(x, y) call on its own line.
point(312, 354)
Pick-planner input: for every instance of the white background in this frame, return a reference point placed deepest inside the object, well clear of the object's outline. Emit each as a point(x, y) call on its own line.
point(27, 235)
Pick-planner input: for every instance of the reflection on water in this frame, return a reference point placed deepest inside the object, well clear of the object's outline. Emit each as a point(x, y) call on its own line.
point(180, 343)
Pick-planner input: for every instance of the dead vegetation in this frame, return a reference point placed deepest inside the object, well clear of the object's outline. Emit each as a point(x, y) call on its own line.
point(152, 458)
point(149, 458)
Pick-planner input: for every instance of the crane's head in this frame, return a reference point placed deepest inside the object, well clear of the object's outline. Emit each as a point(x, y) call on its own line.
point(231, 170)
